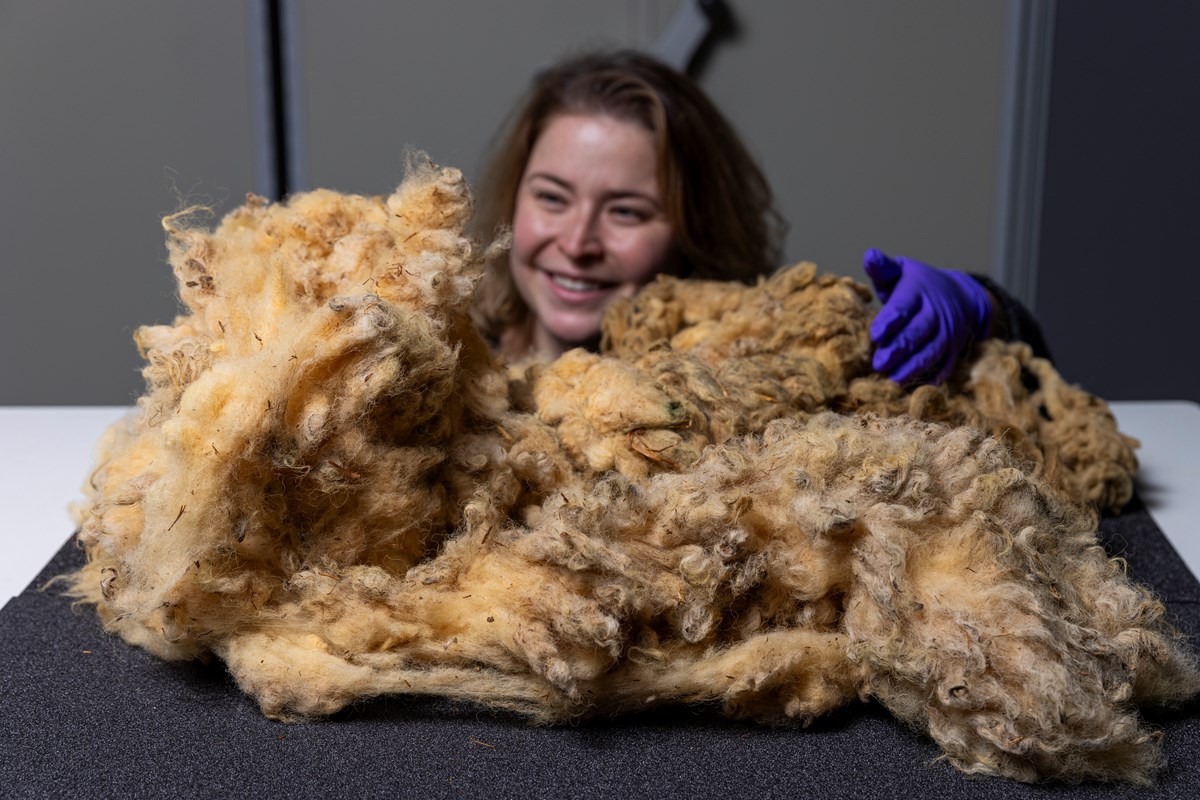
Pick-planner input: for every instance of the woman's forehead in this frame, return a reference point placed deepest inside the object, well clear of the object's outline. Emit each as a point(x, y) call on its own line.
point(595, 147)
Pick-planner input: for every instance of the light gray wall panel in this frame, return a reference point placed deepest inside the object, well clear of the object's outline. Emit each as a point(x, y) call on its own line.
point(876, 121)
point(376, 78)
point(113, 114)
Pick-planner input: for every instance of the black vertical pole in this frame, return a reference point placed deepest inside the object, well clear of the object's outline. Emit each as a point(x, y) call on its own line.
point(277, 80)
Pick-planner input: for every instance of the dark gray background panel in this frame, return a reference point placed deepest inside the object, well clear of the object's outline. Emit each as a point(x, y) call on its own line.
point(1118, 280)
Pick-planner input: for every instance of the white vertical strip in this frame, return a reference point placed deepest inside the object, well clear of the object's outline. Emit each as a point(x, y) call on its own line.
point(1022, 160)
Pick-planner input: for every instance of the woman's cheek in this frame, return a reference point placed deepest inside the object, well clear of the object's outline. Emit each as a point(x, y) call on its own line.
point(532, 230)
point(522, 235)
point(648, 255)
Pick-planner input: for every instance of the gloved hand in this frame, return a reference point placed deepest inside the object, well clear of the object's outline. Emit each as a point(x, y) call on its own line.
point(929, 317)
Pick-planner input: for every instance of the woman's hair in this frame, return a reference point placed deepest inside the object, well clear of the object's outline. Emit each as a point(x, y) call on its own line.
point(717, 200)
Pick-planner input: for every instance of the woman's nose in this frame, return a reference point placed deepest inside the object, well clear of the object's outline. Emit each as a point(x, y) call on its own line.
point(579, 239)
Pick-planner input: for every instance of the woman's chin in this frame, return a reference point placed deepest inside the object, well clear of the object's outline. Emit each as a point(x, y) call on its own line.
point(559, 338)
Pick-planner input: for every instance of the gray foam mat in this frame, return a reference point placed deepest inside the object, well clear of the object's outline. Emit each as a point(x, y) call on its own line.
point(82, 714)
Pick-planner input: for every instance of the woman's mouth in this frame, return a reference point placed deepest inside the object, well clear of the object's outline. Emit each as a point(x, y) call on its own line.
point(577, 288)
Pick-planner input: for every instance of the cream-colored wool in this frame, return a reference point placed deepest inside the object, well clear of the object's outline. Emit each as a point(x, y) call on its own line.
point(334, 487)
point(799, 343)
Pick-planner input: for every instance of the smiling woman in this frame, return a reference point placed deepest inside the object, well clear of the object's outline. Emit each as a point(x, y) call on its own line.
point(614, 170)
point(587, 231)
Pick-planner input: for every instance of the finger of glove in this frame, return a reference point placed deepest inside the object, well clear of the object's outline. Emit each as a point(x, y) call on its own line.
point(896, 315)
point(922, 364)
point(883, 271)
point(921, 332)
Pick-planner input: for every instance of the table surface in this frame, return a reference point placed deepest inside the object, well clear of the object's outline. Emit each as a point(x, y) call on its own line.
point(49, 453)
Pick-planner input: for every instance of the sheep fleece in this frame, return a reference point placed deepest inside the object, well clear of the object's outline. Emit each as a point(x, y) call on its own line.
point(331, 484)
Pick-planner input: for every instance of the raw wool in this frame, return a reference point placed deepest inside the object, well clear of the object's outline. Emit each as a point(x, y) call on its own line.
point(1070, 435)
point(795, 311)
point(328, 354)
point(798, 343)
point(333, 487)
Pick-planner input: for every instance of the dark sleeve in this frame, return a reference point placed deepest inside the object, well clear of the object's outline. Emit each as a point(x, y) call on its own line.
point(1019, 323)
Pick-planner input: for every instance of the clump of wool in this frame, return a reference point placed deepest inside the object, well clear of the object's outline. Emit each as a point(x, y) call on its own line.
point(334, 487)
point(798, 343)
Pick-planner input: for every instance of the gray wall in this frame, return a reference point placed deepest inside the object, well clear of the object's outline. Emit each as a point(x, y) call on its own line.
point(111, 115)
point(878, 123)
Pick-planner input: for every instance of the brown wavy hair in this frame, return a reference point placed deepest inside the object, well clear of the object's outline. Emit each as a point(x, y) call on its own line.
point(718, 201)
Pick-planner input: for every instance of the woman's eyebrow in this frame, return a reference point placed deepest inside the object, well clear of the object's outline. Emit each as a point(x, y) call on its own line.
point(546, 176)
point(622, 194)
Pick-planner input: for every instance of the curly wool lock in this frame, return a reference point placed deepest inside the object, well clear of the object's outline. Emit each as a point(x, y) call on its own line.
point(334, 487)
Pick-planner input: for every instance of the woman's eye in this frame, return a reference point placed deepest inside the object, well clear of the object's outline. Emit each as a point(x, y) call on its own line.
point(549, 198)
point(629, 213)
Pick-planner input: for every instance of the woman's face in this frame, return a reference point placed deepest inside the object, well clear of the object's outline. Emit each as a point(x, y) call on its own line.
point(588, 226)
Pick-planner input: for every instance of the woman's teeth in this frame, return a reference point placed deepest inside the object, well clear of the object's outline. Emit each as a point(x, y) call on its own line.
point(575, 284)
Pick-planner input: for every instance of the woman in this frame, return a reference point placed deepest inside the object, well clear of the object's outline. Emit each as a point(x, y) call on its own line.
point(617, 169)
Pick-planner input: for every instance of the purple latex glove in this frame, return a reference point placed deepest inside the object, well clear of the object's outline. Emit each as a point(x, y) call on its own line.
point(929, 317)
